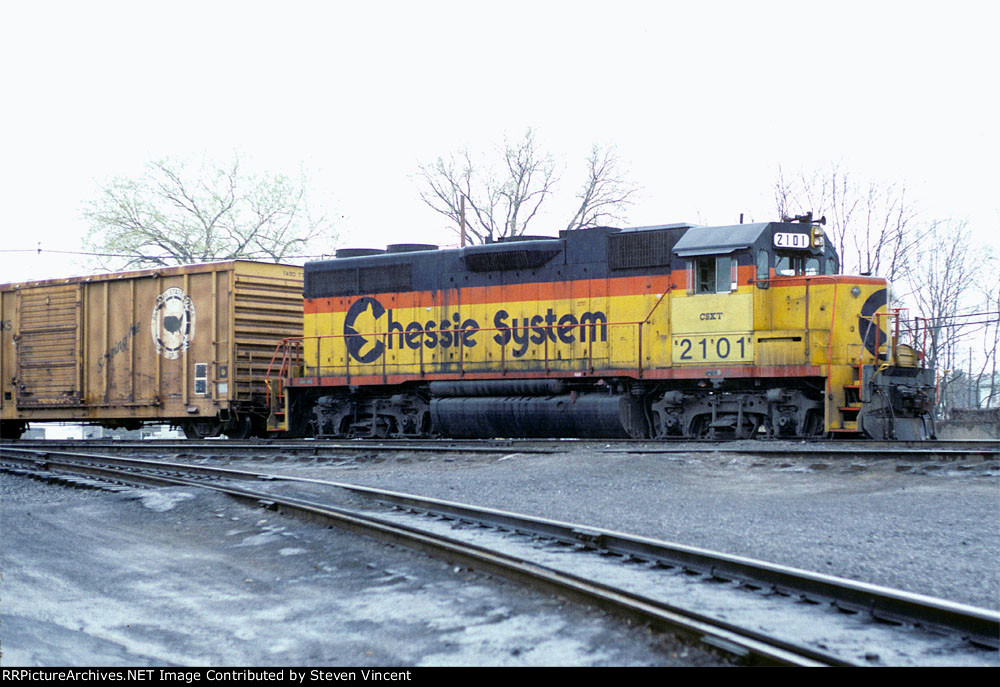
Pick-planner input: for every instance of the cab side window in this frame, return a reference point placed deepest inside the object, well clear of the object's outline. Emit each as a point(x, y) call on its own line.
point(704, 275)
point(763, 268)
point(716, 274)
point(723, 274)
point(783, 266)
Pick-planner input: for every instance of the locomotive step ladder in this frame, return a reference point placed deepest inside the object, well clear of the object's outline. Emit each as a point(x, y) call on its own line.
point(852, 405)
point(276, 419)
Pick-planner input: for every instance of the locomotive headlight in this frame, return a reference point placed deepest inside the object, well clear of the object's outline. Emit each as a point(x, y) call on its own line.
point(817, 237)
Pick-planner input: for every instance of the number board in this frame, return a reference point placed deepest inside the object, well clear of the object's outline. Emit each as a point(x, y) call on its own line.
point(730, 348)
point(787, 240)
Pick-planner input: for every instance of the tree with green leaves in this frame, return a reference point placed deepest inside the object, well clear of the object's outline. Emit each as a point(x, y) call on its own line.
point(177, 213)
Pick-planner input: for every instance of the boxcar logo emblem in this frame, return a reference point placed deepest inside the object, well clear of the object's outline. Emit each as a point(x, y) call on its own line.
point(173, 323)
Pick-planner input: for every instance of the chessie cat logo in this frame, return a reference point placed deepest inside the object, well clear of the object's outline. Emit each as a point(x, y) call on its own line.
point(173, 323)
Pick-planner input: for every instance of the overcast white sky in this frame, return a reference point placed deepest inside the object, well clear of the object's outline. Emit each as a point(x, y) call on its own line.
point(703, 100)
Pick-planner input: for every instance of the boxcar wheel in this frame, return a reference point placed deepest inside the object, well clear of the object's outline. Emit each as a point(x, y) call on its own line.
point(12, 431)
point(202, 429)
point(239, 428)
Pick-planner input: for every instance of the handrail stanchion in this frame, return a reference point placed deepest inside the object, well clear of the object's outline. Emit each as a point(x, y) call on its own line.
point(639, 327)
point(547, 349)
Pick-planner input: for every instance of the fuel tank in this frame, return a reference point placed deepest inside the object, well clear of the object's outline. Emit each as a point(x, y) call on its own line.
point(591, 416)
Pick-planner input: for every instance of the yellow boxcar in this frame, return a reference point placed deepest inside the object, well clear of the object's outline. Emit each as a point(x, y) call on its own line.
point(186, 345)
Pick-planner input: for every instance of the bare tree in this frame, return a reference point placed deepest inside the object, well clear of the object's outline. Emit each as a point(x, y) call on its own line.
point(990, 336)
point(941, 275)
point(872, 225)
point(177, 215)
point(606, 192)
point(497, 203)
point(501, 200)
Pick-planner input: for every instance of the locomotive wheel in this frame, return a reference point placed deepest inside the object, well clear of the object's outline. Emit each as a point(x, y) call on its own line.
point(815, 424)
point(699, 427)
point(382, 428)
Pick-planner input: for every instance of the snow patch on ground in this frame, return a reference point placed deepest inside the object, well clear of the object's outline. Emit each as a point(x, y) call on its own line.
point(162, 501)
point(515, 641)
point(259, 539)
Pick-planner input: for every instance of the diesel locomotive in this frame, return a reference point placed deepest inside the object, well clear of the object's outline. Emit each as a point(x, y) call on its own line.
point(656, 332)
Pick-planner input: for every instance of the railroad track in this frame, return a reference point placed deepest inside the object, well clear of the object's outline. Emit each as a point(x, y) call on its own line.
point(945, 451)
point(642, 578)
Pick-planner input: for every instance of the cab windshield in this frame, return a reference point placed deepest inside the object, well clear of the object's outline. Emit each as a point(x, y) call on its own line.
point(796, 266)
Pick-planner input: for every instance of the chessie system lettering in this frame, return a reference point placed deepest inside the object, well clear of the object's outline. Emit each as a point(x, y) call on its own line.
point(453, 331)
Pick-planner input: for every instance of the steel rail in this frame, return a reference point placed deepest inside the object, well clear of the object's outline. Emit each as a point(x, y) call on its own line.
point(742, 643)
point(977, 625)
point(919, 451)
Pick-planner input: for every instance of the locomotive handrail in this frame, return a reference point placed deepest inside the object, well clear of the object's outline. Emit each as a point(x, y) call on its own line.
point(892, 341)
point(839, 279)
point(459, 333)
point(284, 347)
point(833, 279)
point(893, 312)
point(666, 292)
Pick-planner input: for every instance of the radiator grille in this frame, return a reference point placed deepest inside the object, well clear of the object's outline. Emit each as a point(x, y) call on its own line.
point(640, 249)
point(352, 280)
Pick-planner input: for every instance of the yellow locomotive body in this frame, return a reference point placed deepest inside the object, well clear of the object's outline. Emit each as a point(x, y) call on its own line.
point(654, 332)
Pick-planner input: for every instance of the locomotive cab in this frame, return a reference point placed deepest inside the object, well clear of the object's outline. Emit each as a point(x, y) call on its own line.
point(744, 346)
point(795, 252)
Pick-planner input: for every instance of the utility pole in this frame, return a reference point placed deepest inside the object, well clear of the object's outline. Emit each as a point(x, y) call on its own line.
point(973, 389)
point(462, 219)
